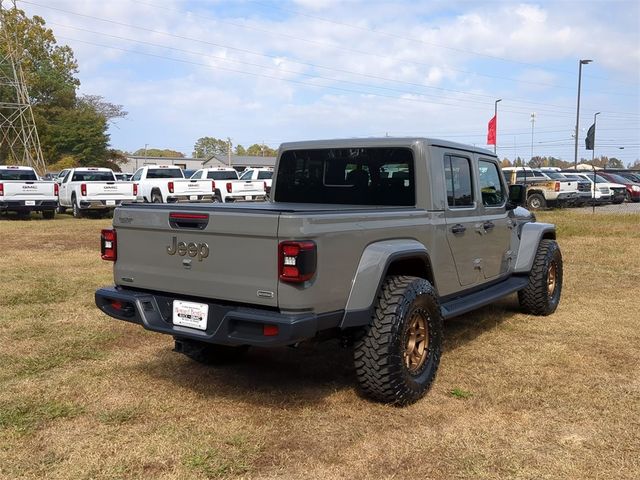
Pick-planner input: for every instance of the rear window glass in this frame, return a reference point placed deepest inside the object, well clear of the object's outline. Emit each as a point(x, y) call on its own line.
point(164, 173)
point(18, 175)
point(223, 175)
point(93, 177)
point(457, 173)
point(348, 176)
point(265, 175)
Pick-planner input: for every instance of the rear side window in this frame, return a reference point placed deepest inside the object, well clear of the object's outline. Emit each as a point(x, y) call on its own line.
point(93, 177)
point(223, 175)
point(25, 175)
point(457, 172)
point(264, 175)
point(491, 187)
point(164, 173)
point(348, 176)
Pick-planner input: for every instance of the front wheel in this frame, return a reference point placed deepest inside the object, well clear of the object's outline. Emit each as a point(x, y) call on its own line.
point(541, 296)
point(397, 358)
point(536, 202)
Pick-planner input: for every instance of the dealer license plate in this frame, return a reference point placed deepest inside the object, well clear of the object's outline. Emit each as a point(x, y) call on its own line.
point(29, 202)
point(111, 202)
point(247, 197)
point(190, 314)
point(193, 197)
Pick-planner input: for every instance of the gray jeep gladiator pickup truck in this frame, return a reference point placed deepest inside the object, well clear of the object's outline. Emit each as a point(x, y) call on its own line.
point(375, 241)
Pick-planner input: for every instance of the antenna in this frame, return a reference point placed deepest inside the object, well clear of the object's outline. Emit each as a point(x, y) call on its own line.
point(19, 141)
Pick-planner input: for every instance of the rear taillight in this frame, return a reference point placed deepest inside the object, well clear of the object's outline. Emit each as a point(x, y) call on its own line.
point(1, 189)
point(170, 185)
point(108, 245)
point(213, 186)
point(135, 189)
point(296, 261)
point(557, 187)
point(229, 187)
point(56, 189)
point(83, 189)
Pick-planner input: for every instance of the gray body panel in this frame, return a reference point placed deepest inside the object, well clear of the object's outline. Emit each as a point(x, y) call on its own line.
point(356, 245)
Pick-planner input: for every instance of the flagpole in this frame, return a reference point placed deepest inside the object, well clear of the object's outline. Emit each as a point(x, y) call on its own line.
point(495, 114)
point(593, 150)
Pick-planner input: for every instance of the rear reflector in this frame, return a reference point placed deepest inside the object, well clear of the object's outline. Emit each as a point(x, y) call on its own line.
point(190, 216)
point(296, 261)
point(557, 187)
point(108, 245)
point(270, 330)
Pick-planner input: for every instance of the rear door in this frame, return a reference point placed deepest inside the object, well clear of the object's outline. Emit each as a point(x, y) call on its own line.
point(462, 214)
point(494, 237)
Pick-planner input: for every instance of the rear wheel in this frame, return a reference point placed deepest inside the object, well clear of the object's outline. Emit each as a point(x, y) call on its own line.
point(49, 214)
point(209, 354)
point(77, 213)
point(397, 358)
point(541, 296)
point(156, 197)
point(536, 201)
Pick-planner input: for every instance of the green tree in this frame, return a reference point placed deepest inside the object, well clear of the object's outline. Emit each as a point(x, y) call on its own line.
point(256, 150)
point(240, 150)
point(157, 152)
point(205, 147)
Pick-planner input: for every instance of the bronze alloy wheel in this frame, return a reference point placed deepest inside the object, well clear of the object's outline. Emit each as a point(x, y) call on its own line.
point(416, 349)
point(552, 278)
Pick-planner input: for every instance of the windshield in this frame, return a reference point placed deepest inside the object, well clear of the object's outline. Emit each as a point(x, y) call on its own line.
point(223, 175)
point(618, 179)
point(27, 175)
point(164, 173)
point(348, 176)
point(92, 177)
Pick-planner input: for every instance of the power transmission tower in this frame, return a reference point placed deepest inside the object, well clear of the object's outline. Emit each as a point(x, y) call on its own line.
point(19, 142)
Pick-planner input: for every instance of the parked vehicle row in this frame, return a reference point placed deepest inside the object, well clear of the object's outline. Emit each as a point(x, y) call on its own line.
point(567, 188)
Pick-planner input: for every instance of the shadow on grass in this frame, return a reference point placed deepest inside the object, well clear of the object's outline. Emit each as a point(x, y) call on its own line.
point(296, 377)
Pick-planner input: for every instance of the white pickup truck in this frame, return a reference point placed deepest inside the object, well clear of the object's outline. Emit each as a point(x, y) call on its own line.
point(21, 191)
point(264, 173)
point(91, 189)
point(166, 184)
point(227, 186)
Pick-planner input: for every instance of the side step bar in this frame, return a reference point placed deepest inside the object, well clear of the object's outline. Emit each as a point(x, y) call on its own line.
point(458, 306)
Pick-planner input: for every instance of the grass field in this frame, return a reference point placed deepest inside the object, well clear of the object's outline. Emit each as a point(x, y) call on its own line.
point(83, 396)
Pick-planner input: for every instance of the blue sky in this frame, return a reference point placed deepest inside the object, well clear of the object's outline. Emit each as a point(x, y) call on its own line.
point(260, 71)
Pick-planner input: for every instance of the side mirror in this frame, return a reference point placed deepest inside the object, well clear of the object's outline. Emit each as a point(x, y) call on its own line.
point(517, 196)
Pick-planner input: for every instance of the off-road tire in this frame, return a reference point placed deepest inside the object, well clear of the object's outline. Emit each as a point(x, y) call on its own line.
point(156, 197)
point(379, 354)
point(209, 354)
point(536, 298)
point(49, 214)
point(536, 201)
point(75, 208)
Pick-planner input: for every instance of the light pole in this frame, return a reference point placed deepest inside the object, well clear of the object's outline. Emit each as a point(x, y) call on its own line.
point(533, 122)
point(593, 151)
point(575, 157)
point(495, 115)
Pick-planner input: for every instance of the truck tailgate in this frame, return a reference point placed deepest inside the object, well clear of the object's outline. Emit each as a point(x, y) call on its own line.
point(21, 190)
point(247, 187)
point(192, 187)
point(110, 190)
point(233, 258)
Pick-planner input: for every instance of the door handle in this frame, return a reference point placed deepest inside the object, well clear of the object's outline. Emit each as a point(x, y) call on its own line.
point(488, 225)
point(458, 229)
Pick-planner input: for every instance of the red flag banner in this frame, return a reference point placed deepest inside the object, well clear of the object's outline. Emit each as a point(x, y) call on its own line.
point(491, 134)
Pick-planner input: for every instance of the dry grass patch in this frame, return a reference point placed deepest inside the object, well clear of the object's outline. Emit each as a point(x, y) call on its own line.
point(517, 396)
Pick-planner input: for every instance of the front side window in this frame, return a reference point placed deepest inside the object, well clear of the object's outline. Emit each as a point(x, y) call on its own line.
point(197, 175)
point(137, 176)
point(457, 172)
point(491, 187)
point(347, 176)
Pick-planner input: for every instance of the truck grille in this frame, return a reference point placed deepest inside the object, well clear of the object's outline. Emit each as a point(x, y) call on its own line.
point(604, 190)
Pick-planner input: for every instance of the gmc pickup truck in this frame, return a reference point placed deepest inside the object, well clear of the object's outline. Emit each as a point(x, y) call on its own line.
point(374, 241)
point(227, 186)
point(91, 189)
point(21, 191)
point(166, 184)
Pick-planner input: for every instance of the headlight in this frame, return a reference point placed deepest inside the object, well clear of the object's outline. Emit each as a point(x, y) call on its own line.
point(635, 188)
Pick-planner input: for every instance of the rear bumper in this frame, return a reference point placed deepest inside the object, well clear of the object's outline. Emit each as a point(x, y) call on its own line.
point(236, 197)
point(20, 205)
point(227, 324)
point(190, 198)
point(102, 204)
